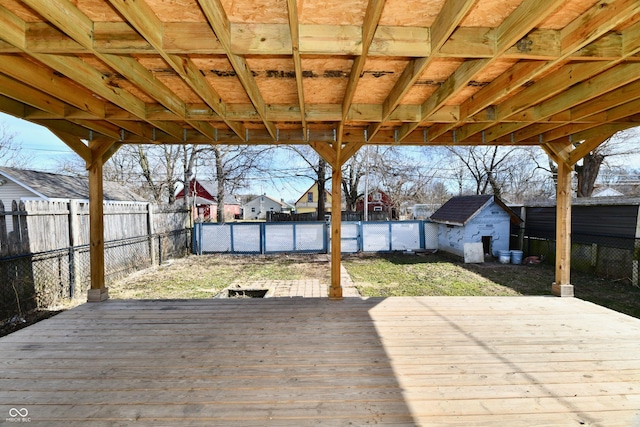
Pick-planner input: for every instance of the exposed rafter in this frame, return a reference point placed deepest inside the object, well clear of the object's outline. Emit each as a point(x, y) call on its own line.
point(218, 20)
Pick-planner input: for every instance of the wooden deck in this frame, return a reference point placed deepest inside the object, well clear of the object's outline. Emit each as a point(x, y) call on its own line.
point(430, 361)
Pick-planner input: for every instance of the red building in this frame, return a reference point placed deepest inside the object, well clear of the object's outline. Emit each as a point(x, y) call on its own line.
point(206, 203)
point(380, 205)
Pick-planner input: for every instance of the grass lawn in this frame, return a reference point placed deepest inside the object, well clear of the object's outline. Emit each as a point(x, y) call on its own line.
point(382, 275)
point(411, 275)
point(205, 276)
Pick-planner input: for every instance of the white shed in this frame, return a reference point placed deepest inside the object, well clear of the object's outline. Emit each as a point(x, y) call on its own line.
point(474, 219)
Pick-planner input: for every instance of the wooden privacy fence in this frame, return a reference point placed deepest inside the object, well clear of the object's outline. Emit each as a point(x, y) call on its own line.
point(44, 257)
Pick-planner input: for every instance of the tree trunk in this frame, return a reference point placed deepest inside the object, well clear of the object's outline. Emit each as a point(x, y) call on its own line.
point(588, 173)
point(220, 178)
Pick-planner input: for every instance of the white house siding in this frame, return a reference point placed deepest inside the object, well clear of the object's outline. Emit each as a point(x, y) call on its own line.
point(491, 221)
point(9, 192)
point(258, 208)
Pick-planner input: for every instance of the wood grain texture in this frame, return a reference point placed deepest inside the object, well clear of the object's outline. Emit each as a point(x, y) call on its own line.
point(454, 361)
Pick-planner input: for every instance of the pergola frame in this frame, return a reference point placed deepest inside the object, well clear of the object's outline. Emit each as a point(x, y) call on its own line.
point(334, 75)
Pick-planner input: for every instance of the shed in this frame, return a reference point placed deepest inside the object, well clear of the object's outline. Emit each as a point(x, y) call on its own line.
point(474, 219)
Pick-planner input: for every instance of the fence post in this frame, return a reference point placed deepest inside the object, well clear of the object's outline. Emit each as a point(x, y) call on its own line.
point(150, 231)
point(74, 239)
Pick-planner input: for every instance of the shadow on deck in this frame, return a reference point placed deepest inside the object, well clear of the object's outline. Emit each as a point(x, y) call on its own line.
point(454, 361)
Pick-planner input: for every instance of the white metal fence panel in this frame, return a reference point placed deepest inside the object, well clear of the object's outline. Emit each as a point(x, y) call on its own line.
point(376, 237)
point(278, 237)
point(430, 235)
point(405, 236)
point(246, 238)
point(310, 237)
point(214, 239)
point(350, 237)
point(313, 237)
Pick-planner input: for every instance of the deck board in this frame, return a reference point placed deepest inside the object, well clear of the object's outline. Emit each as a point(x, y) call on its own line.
point(430, 361)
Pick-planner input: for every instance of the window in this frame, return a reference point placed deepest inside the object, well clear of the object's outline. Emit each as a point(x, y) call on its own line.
point(377, 197)
point(253, 209)
point(309, 197)
point(377, 208)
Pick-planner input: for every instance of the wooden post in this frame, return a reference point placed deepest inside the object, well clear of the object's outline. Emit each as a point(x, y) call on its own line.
point(562, 286)
point(335, 291)
point(98, 292)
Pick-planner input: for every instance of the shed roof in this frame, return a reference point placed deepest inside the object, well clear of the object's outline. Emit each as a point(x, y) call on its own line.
point(55, 186)
point(334, 74)
point(460, 210)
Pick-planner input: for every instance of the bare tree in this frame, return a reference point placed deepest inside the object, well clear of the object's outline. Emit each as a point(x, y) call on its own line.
point(352, 173)
point(515, 173)
point(317, 168)
point(10, 149)
point(230, 167)
point(620, 145)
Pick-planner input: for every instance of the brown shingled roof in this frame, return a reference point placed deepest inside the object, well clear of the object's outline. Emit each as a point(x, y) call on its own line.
point(459, 210)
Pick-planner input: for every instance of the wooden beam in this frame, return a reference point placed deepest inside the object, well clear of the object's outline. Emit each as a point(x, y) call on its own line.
point(325, 150)
point(454, 83)
point(144, 20)
point(450, 16)
point(80, 29)
point(75, 143)
point(586, 147)
point(183, 38)
point(584, 30)
point(98, 291)
point(292, 10)
point(562, 285)
point(371, 19)
point(217, 17)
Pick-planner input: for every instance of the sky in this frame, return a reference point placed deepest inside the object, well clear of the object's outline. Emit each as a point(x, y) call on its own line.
point(42, 148)
point(45, 152)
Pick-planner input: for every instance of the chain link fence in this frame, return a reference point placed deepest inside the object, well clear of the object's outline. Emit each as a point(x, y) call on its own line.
point(46, 279)
point(611, 257)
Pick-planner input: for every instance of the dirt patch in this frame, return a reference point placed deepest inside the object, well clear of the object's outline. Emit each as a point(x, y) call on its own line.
point(27, 319)
point(204, 276)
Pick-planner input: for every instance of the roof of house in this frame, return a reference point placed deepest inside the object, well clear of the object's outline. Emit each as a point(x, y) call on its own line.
point(55, 186)
point(280, 202)
point(460, 210)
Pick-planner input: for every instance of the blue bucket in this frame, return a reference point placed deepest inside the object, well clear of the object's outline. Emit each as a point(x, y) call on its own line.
point(504, 257)
point(516, 257)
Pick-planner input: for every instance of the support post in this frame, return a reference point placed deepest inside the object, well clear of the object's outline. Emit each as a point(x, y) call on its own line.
point(98, 292)
point(562, 286)
point(335, 291)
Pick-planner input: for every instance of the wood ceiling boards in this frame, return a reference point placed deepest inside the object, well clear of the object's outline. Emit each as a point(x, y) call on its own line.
point(335, 71)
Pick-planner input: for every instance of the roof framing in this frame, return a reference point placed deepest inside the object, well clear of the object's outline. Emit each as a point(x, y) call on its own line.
point(506, 72)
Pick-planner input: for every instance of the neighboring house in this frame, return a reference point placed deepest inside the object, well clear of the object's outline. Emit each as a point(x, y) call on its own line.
point(474, 219)
point(206, 203)
point(22, 184)
point(379, 203)
point(308, 202)
point(257, 208)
